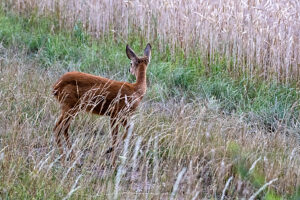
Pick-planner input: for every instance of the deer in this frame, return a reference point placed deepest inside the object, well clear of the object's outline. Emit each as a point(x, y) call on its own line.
point(78, 91)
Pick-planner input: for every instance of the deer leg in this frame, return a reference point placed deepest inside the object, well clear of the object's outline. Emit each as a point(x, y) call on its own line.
point(126, 127)
point(115, 128)
point(70, 115)
point(57, 132)
point(62, 125)
point(67, 138)
point(58, 122)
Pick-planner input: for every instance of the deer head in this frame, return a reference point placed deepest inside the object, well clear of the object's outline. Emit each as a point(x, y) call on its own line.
point(135, 62)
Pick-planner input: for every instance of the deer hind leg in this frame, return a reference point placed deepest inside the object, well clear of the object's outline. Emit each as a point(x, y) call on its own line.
point(57, 132)
point(62, 126)
point(66, 136)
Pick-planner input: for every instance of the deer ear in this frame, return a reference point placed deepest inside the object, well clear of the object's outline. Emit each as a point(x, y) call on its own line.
point(147, 51)
point(130, 53)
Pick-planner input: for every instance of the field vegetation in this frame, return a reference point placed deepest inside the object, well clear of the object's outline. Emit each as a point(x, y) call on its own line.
point(220, 119)
point(257, 38)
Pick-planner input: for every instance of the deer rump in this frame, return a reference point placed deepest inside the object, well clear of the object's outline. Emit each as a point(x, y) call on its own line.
point(81, 91)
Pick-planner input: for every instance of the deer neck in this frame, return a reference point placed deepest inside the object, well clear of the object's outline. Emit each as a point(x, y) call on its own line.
point(141, 83)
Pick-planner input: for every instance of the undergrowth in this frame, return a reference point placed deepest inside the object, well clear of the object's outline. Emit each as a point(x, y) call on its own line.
point(195, 139)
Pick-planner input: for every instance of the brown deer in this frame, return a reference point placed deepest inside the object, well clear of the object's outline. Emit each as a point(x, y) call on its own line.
point(78, 91)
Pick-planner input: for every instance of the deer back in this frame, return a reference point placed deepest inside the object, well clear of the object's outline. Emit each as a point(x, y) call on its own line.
point(99, 95)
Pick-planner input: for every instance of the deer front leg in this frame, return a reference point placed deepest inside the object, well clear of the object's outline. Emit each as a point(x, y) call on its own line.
point(126, 127)
point(115, 128)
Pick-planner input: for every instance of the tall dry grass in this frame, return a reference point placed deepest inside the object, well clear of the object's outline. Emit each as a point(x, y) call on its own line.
point(176, 150)
point(259, 38)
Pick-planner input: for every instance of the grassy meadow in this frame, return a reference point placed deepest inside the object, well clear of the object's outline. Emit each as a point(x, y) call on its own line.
point(220, 120)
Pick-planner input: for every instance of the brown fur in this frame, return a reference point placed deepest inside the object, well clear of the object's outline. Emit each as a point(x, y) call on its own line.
point(78, 91)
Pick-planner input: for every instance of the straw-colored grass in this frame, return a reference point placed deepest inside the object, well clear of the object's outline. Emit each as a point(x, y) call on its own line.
point(259, 38)
point(177, 150)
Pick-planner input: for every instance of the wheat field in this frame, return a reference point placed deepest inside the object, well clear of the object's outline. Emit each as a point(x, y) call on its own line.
point(257, 37)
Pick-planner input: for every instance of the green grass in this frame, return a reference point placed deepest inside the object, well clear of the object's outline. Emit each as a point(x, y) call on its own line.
point(268, 103)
